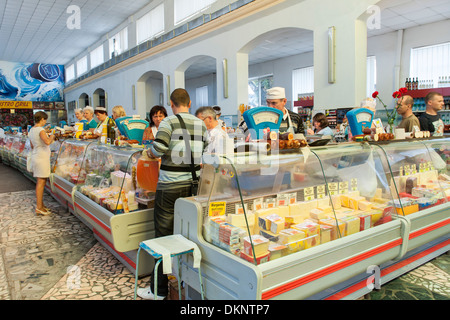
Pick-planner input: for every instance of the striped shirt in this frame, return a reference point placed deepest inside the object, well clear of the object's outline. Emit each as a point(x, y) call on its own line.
point(296, 121)
point(170, 146)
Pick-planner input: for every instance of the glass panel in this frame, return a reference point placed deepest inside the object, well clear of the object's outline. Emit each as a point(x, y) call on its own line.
point(109, 178)
point(416, 169)
point(70, 158)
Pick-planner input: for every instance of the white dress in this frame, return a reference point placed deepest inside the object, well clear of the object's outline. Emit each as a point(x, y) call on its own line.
point(40, 156)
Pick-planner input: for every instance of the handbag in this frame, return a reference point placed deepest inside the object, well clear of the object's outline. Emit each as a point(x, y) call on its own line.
point(29, 163)
point(194, 184)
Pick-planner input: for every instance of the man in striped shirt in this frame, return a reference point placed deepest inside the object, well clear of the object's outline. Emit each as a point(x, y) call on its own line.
point(175, 175)
point(276, 98)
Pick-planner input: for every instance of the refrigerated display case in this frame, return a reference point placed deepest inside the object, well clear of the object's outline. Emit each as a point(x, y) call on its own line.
point(98, 183)
point(308, 225)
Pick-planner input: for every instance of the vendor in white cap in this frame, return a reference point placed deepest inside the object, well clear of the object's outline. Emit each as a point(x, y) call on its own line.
point(276, 98)
point(102, 116)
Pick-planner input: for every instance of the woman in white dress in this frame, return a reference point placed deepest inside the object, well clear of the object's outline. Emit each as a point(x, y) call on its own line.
point(40, 158)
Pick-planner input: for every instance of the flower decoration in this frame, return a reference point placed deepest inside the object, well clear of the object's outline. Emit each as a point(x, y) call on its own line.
point(392, 115)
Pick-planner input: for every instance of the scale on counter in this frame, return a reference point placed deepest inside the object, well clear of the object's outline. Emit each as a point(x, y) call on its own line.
point(260, 118)
point(359, 119)
point(132, 128)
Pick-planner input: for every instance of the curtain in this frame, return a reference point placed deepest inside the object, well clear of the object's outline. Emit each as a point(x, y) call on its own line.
point(150, 24)
point(430, 63)
point(185, 9)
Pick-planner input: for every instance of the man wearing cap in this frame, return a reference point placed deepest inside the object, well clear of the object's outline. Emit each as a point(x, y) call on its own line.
point(276, 98)
point(102, 116)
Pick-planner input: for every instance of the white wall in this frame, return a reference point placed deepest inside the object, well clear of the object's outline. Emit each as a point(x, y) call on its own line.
point(235, 41)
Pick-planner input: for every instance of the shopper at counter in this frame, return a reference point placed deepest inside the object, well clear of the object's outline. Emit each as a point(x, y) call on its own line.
point(157, 114)
point(40, 158)
point(175, 176)
point(276, 98)
point(91, 124)
point(409, 120)
point(218, 111)
point(430, 120)
point(218, 140)
point(321, 126)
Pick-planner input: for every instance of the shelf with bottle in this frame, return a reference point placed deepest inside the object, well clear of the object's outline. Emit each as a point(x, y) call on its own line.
point(419, 105)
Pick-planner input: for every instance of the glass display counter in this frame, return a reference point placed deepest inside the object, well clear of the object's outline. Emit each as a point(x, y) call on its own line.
point(290, 226)
point(99, 183)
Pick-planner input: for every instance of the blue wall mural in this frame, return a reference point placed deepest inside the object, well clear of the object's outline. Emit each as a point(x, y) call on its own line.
point(31, 81)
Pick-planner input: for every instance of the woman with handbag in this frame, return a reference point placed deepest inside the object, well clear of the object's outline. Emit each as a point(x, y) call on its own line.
point(40, 158)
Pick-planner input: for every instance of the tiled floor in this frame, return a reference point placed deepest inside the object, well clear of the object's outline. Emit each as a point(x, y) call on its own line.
point(57, 258)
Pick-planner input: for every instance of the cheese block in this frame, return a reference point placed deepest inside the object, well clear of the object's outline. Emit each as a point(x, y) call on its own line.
point(262, 258)
point(336, 200)
point(325, 233)
point(312, 232)
point(291, 235)
point(325, 202)
point(353, 202)
point(276, 250)
point(378, 193)
point(325, 209)
point(353, 194)
point(352, 224)
point(364, 205)
point(269, 235)
point(337, 227)
point(260, 245)
point(375, 215)
point(274, 223)
point(239, 220)
point(407, 210)
point(290, 220)
point(299, 209)
point(345, 201)
point(365, 221)
point(318, 214)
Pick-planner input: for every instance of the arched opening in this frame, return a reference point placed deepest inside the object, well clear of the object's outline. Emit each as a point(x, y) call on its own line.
point(149, 92)
point(99, 98)
point(200, 78)
point(83, 100)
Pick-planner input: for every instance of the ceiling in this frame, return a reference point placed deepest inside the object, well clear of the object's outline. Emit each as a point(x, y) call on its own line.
point(37, 30)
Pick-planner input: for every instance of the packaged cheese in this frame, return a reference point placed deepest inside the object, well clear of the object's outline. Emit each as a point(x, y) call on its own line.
point(293, 239)
point(276, 250)
point(259, 258)
point(318, 214)
point(337, 227)
point(260, 245)
point(364, 205)
point(352, 224)
point(365, 221)
point(312, 232)
point(325, 233)
point(336, 200)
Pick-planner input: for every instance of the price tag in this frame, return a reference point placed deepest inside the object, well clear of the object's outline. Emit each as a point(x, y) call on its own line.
point(217, 209)
point(308, 194)
point(321, 191)
point(258, 204)
point(282, 200)
point(343, 187)
point(333, 187)
point(354, 184)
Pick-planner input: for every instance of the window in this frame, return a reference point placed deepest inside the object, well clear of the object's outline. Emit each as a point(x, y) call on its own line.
point(185, 9)
point(70, 73)
point(430, 63)
point(302, 82)
point(82, 66)
point(257, 89)
point(97, 57)
point(371, 75)
point(201, 96)
point(118, 43)
point(150, 25)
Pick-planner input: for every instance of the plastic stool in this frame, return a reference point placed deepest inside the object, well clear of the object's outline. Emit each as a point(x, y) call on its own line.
point(164, 248)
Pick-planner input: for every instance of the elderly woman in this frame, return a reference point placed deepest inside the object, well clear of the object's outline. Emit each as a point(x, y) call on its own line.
point(80, 116)
point(40, 158)
point(90, 124)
